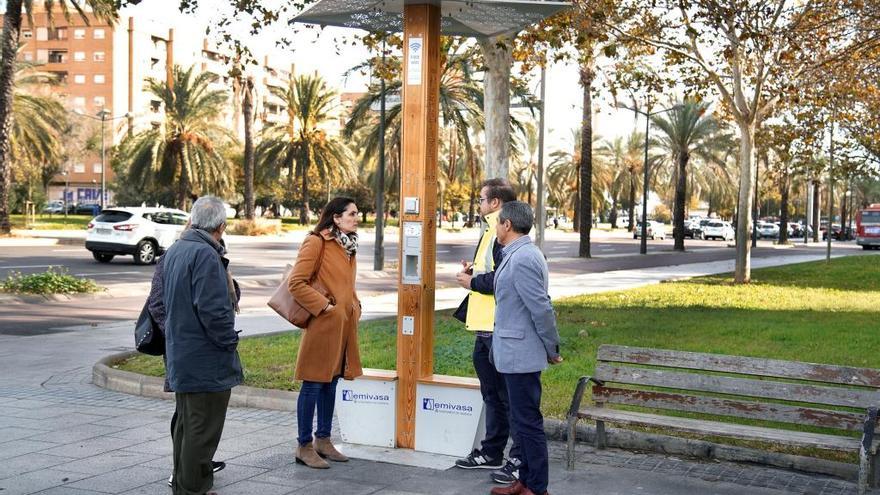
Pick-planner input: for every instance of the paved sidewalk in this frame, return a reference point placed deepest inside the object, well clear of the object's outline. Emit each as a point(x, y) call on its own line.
point(59, 434)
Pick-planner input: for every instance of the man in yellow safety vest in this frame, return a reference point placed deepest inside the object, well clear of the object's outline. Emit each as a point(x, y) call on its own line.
point(477, 311)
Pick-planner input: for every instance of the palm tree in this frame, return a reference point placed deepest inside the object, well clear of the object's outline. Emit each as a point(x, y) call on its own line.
point(185, 150)
point(37, 120)
point(686, 131)
point(300, 142)
point(101, 9)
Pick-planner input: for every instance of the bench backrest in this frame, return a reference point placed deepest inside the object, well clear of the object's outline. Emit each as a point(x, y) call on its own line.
point(814, 394)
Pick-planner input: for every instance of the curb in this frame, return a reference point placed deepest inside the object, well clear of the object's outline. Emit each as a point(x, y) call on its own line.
point(105, 376)
point(41, 298)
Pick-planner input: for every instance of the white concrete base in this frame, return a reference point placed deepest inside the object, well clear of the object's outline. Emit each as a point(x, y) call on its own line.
point(404, 457)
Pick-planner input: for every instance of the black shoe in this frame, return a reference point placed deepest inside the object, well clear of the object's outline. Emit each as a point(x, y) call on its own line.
point(477, 460)
point(508, 474)
point(217, 465)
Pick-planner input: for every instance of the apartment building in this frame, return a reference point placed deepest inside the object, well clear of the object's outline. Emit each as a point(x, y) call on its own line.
point(102, 69)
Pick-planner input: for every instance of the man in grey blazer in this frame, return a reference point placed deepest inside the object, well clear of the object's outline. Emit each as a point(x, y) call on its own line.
point(525, 340)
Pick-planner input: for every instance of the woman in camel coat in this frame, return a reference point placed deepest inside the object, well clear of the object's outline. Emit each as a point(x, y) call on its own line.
point(328, 349)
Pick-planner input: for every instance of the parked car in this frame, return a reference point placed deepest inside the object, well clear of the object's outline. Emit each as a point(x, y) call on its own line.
point(144, 233)
point(694, 229)
point(92, 209)
point(717, 229)
point(56, 206)
point(767, 230)
point(655, 230)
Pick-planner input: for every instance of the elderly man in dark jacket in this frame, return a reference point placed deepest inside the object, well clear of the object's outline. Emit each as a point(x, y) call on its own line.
point(200, 343)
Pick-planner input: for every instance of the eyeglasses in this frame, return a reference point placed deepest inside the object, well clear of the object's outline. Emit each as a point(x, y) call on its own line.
point(483, 199)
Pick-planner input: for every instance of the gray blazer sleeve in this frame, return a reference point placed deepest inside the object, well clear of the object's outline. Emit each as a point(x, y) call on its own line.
point(210, 295)
point(529, 284)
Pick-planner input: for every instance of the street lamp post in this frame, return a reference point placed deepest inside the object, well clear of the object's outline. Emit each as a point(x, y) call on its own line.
point(643, 246)
point(103, 116)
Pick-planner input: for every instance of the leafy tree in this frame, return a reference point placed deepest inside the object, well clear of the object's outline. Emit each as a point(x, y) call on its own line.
point(186, 150)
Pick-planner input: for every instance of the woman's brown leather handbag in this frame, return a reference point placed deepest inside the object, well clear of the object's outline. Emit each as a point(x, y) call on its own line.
point(283, 302)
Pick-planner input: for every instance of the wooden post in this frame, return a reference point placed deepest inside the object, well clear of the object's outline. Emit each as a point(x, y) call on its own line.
point(418, 179)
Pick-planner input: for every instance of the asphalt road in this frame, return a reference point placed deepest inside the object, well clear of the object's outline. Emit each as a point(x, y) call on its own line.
point(259, 264)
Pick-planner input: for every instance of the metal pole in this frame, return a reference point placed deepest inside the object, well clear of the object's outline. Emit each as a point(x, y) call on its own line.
point(379, 247)
point(643, 246)
point(542, 210)
point(103, 152)
point(756, 208)
point(828, 231)
point(808, 211)
point(66, 187)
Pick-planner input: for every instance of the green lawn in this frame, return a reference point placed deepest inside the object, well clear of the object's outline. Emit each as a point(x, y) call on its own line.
point(53, 222)
point(809, 312)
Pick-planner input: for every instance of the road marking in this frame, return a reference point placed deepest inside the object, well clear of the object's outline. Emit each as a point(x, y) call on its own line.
point(101, 274)
point(28, 266)
point(443, 251)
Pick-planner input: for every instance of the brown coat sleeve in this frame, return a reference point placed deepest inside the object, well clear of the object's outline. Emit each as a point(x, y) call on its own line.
point(298, 283)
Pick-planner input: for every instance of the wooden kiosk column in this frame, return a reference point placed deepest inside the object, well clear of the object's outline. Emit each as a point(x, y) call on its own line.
point(418, 199)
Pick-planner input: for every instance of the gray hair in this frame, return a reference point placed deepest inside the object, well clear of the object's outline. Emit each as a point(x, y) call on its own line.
point(208, 214)
point(520, 215)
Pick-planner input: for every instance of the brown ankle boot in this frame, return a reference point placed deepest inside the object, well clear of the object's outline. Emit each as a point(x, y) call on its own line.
point(305, 454)
point(324, 447)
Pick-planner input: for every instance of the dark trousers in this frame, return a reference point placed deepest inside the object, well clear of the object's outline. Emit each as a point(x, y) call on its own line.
point(494, 391)
point(197, 431)
point(524, 390)
point(314, 395)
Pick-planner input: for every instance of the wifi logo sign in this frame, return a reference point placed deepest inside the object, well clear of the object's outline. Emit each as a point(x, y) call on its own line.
point(415, 46)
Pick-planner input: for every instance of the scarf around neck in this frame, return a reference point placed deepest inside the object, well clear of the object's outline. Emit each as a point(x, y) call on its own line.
point(349, 242)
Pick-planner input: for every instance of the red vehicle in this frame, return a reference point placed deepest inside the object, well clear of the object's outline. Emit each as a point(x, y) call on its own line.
point(868, 227)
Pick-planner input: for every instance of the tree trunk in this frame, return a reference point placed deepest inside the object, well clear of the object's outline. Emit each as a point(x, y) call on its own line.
point(784, 189)
point(183, 186)
point(498, 56)
point(680, 201)
point(613, 215)
point(304, 211)
point(816, 213)
point(472, 166)
point(576, 215)
point(743, 270)
point(632, 200)
point(9, 47)
point(586, 168)
point(248, 110)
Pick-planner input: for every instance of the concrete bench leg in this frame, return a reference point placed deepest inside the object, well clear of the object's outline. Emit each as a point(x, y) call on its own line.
point(572, 437)
point(864, 470)
point(599, 442)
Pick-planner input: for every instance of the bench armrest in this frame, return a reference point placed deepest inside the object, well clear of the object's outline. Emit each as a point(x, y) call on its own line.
point(868, 429)
point(579, 394)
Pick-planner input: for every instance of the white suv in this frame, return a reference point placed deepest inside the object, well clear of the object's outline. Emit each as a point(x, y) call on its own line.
point(144, 233)
point(717, 229)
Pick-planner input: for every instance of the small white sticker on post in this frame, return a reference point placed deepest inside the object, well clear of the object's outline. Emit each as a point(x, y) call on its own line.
point(414, 62)
point(409, 327)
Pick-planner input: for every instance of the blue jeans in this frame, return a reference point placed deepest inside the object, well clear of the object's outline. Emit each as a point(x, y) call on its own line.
point(524, 391)
point(311, 395)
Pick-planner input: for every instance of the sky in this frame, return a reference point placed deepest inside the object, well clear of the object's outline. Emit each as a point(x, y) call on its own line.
point(314, 50)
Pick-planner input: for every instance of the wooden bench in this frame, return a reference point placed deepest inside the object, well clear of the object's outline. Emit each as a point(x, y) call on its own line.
point(669, 383)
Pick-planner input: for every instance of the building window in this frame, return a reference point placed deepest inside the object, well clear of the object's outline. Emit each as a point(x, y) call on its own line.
point(96, 168)
point(28, 34)
point(79, 34)
point(57, 56)
point(99, 79)
point(99, 56)
point(98, 34)
point(42, 56)
point(61, 34)
point(79, 102)
point(79, 56)
point(79, 168)
point(79, 79)
point(28, 56)
point(100, 101)
point(42, 34)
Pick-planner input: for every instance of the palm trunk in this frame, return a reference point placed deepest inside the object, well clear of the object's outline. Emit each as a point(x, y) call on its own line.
point(183, 186)
point(473, 172)
point(680, 201)
point(743, 269)
point(586, 168)
point(304, 212)
point(784, 188)
point(9, 47)
point(248, 110)
point(613, 215)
